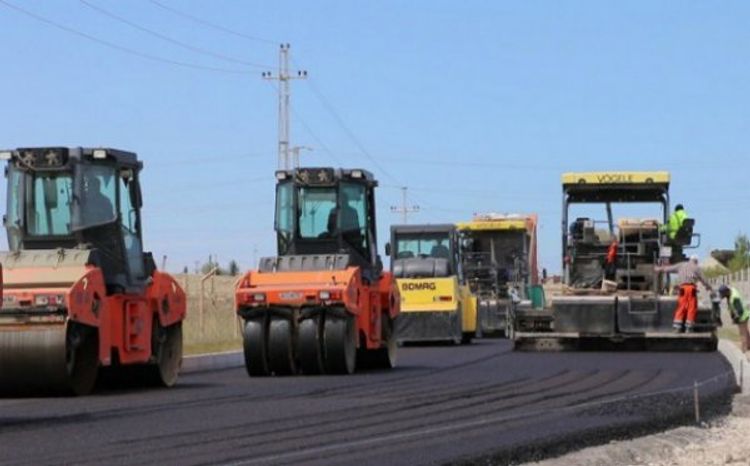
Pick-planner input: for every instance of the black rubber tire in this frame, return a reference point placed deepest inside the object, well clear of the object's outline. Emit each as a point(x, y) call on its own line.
point(168, 355)
point(387, 356)
point(255, 346)
point(310, 346)
point(339, 344)
point(81, 358)
point(281, 358)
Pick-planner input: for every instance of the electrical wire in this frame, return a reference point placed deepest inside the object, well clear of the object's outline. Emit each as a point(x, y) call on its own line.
point(329, 107)
point(208, 24)
point(315, 137)
point(171, 40)
point(189, 161)
point(308, 128)
point(146, 56)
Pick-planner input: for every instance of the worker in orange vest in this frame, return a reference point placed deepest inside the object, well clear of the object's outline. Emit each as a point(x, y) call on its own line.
point(689, 274)
point(610, 263)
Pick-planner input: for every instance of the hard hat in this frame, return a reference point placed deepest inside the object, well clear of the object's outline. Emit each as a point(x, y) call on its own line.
point(679, 207)
point(694, 258)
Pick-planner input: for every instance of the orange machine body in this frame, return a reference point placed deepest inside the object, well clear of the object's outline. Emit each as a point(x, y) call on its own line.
point(52, 296)
point(311, 290)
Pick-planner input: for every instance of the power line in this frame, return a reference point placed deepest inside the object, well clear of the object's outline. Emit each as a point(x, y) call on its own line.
point(309, 129)
point(349, 133)
point(171, 40)
point(219, 184)
point(212, 25)
point(188, 162)
point(317, 139)
point(462, 163)
point(114, 46)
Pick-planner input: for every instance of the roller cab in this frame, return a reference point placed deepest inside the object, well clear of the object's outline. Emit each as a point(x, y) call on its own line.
point(80, 293)
point(435, 302)
point(323, 305)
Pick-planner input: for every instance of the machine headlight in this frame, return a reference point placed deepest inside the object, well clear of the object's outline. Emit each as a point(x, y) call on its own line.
point(100, 154)
point(41, 300)
point(259, 297)
point(6, 155)
point(330, 295)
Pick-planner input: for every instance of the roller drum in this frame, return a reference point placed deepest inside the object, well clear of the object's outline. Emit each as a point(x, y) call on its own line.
point(49, 358)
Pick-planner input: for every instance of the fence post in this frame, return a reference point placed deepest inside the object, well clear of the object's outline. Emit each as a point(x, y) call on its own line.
point(201, 302)
point(696, 403)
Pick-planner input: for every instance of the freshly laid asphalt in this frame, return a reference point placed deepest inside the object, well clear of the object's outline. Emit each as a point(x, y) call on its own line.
point(481, 403)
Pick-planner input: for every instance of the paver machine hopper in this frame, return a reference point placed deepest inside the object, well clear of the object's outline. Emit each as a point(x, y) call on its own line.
point(612, 296)
point(324, 304)
point(499, 261)
point(79, 291)
point(436, 303)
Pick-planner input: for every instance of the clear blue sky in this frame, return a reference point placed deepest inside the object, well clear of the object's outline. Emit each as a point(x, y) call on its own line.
point(476, 106)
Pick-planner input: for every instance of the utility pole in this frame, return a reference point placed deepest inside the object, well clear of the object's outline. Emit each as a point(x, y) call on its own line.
point(405, 208)
point(295, 154)
point(283, 78)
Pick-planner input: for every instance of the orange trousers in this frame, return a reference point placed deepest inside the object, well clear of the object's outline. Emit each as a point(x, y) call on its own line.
point(687, 306)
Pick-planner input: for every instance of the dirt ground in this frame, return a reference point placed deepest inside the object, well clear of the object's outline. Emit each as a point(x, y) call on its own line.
point(724, 441)
point(217, 327)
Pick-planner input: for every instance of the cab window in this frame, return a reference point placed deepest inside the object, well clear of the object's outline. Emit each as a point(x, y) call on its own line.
point(96, 187)
point(317, 212)
point(48, 212)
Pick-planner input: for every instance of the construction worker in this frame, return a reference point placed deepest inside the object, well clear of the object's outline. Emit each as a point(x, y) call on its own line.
point(688, 276)
point(739, 311)
point(675, 222)
point(610, 262)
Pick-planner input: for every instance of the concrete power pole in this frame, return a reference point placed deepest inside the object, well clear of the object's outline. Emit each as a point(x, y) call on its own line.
point(284, 95)
point(405, 209)
point(295, 154)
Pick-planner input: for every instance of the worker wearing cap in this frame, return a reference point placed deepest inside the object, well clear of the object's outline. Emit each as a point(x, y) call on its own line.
point(675, 222)
point(739, 311)
point(689, 275)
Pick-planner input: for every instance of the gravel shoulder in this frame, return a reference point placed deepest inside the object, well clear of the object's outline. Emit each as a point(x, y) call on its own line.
point(724, 441)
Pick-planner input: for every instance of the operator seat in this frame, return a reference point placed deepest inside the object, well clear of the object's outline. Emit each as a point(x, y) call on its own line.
point(684, 235)
point(440, 251)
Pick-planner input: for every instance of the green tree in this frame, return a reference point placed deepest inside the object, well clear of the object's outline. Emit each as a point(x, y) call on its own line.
point(741, 258)
point(233, 268)
point(210, 265)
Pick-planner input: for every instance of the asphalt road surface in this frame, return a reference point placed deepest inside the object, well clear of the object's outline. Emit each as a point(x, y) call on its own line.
point(441, 405)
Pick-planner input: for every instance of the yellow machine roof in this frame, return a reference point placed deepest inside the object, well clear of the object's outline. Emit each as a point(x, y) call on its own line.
point(516, 222)
point(616, 177)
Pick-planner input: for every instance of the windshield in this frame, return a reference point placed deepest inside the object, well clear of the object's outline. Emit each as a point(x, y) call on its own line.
point(95, 187)
point(317, 212)
point(44, 204)
point(42, 200)
point(423, 245)
point(592, 220)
